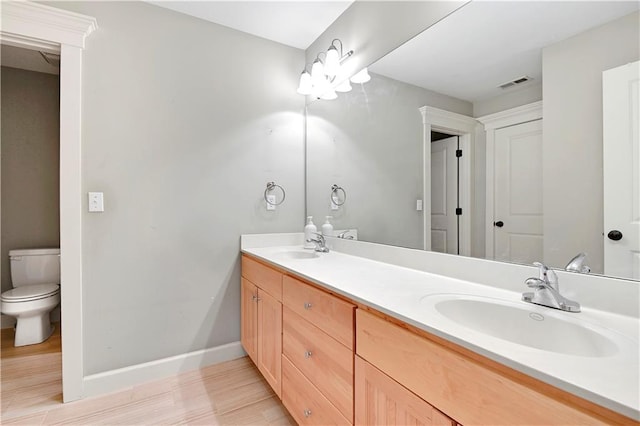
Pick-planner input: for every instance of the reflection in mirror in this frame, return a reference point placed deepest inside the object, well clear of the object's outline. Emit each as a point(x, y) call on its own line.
point(449, 147)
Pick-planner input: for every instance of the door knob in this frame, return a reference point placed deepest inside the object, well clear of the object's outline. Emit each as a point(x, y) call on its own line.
point(499, 224)
point(615, 235)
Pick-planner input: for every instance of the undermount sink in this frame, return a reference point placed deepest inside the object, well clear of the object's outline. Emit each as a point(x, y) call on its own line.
point(543, 329)
point(297, 254)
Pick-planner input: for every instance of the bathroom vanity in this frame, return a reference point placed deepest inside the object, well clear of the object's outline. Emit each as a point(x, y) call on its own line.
point(347, 340)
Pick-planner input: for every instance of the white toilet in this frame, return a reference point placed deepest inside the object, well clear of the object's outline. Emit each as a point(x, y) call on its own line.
point(35, 276)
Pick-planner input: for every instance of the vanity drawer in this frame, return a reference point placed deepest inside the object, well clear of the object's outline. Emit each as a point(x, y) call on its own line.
point(332, 315)
point(456, 384)
point(263, 276)
point(325, 362)
point(305, 403)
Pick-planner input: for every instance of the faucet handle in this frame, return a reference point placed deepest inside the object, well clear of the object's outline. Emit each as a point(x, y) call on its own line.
point(547, 275)
point(542, 270)
point(578, 264)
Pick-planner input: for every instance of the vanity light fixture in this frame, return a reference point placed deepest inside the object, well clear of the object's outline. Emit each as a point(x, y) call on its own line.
point(320, 81)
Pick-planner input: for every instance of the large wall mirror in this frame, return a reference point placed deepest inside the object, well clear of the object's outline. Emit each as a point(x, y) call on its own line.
point(484, 136)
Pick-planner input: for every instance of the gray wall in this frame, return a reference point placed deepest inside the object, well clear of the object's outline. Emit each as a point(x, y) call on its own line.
point(30, 163)
point(370, 142)
point(184, 123)
point(374, 28)
point(572, 135)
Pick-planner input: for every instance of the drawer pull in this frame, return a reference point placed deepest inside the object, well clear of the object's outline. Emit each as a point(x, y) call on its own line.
point(307, 413)
point(307, 305)
point(307, 354)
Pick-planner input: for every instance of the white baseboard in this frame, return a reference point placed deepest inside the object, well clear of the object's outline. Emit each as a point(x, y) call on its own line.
point(109, 381)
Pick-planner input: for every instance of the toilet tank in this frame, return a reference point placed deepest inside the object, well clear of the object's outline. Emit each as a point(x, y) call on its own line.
point(34, 266)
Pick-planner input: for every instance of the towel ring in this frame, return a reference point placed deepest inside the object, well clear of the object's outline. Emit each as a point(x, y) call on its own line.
point(270, 187)
point(335, 195)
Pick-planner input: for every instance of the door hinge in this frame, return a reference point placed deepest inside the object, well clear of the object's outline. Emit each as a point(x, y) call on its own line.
point(458, 153)
point(458, 211)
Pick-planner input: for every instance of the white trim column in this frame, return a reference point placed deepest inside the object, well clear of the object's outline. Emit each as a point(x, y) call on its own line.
point(71, 221)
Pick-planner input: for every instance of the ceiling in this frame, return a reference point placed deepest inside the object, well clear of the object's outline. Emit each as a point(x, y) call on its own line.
point(487, 43)
point(294, 23)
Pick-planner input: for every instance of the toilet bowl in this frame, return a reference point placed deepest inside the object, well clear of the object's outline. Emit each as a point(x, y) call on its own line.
point(35, 276)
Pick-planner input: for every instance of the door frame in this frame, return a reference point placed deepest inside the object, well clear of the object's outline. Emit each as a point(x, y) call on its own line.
point(491, 123)
point(457, 125)
point(40, 27)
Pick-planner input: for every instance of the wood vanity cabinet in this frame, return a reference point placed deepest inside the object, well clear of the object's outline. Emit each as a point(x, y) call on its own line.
point(380, 400)
point(317, 355)
point(261, 319)
point(470, 388)
point(303, 339)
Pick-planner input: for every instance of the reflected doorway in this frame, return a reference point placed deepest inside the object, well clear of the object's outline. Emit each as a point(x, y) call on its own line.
point(445, 193)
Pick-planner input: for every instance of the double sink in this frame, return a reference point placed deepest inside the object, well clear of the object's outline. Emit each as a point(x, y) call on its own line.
point(514, 322)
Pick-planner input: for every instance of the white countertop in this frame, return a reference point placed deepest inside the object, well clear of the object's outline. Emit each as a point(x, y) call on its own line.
point(408, 295)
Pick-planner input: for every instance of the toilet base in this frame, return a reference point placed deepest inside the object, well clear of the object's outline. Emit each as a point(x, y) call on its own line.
point(33, 330)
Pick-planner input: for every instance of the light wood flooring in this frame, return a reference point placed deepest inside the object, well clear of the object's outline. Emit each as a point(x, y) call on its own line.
point(230, 393)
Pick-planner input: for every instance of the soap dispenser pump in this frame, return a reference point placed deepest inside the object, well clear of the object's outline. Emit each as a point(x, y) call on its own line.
point(309, 232)
point(327, 227)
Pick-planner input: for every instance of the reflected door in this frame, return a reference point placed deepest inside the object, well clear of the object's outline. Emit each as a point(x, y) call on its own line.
point(444, 195)
point(518, 193)
point(621, 155)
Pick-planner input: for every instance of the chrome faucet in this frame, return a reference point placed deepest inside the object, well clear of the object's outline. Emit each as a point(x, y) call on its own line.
point(547, 292)
point(578, 264)
point(319, 241)
point(344, 235)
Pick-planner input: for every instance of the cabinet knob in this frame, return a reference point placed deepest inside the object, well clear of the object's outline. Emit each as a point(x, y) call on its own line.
point(307, 413)
point(307, 305)
point(307, 354)
point(254, 297)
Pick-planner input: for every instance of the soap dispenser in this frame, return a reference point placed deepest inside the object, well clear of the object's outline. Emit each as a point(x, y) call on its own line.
point(327, 227)
point(309, 232)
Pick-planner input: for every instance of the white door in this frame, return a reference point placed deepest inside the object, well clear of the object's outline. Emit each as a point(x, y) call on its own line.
point(518, 193)
point(621, 158)
point(444, 195)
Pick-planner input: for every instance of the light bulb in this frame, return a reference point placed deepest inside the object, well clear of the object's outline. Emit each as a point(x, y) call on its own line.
point(329, 95)
point(305, 86)
point(332, 62)
point(343, 87)
point(317, 73)
point(361, 76)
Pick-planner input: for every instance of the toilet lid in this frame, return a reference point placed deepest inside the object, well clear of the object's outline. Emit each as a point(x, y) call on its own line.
point(30, 292)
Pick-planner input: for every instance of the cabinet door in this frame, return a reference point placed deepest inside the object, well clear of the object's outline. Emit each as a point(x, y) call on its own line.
point(382, 401)
point(249, 319)
point(270, 339)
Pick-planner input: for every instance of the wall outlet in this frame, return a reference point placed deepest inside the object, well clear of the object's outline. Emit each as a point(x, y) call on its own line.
point(271, 201)
point(96, 202)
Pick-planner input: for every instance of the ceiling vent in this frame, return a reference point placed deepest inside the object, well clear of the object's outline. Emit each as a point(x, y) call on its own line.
point(516, 82)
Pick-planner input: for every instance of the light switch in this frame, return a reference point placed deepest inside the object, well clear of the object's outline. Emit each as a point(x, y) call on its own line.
point(96, 202)
point(419, 205)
